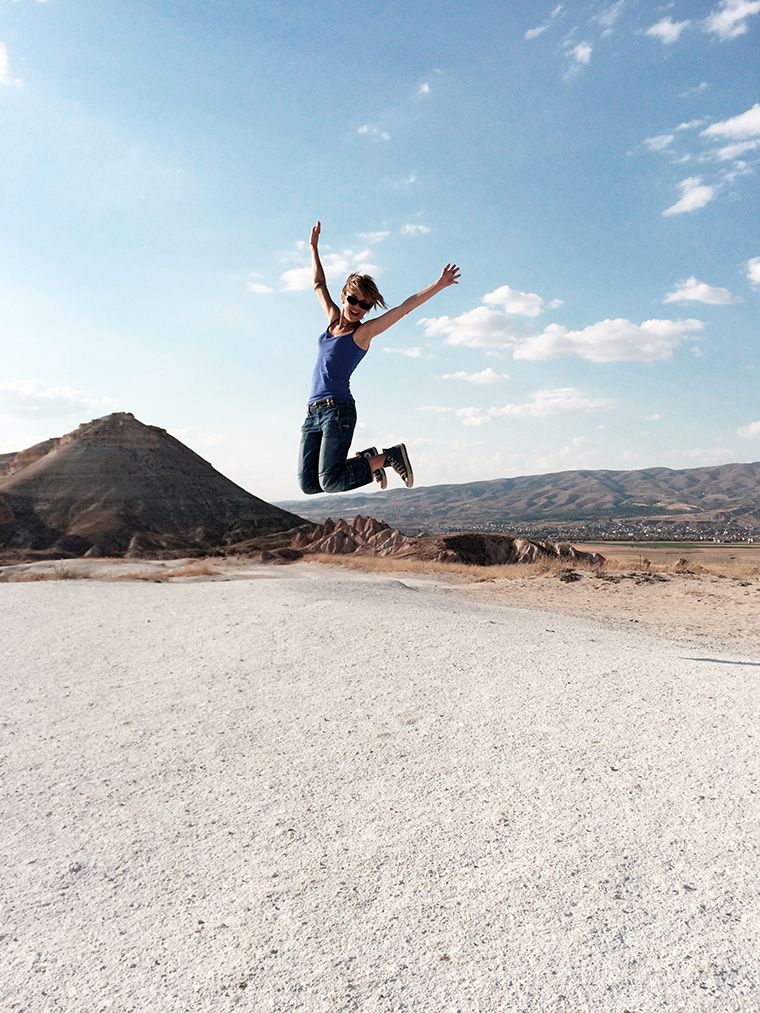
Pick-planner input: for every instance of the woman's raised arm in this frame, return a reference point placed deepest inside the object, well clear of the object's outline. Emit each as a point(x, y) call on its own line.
point(318, 276)
point(366, 332)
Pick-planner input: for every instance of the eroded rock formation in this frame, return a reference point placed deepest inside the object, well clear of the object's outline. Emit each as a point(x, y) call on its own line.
point(369, 537)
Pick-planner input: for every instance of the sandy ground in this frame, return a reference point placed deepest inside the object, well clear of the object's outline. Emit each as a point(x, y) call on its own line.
point(316, 789)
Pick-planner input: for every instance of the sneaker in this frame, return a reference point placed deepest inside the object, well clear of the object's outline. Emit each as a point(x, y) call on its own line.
point(379, 473)
point(398, 459)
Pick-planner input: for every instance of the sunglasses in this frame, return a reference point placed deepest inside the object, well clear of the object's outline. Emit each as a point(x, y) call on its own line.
point(358, 302)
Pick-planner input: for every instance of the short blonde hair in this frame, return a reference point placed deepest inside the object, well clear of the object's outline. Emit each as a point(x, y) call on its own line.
point(364, 284)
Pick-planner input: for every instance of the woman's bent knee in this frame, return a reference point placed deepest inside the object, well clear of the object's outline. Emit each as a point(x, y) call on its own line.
point(310, 486)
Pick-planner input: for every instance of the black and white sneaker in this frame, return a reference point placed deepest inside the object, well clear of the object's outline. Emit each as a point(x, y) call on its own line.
point(379, 473)
point(398, 459)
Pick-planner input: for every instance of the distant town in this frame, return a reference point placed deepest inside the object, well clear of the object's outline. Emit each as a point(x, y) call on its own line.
point(632, 529)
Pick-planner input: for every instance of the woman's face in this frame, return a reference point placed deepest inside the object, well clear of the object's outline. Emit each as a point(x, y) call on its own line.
point(354, 311)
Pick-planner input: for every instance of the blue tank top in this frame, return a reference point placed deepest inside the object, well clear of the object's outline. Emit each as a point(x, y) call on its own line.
point(337, 358)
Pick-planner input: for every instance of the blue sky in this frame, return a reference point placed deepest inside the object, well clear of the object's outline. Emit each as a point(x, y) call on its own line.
point(592, 168)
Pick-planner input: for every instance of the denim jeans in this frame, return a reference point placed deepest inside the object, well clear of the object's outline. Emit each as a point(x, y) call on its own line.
point(325, 441)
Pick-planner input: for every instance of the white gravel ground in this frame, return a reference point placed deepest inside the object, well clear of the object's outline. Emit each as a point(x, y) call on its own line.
point(327, 791)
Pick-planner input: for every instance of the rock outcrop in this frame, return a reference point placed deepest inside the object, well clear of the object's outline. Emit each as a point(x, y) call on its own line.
point(366, 536)
point(116, 487)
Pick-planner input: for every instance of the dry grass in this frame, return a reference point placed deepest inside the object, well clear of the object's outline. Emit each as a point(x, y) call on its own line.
point(465, 571)
point(59, 571)
point(644, 569)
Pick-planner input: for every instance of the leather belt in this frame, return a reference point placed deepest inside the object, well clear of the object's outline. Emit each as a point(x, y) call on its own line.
point(327, 402)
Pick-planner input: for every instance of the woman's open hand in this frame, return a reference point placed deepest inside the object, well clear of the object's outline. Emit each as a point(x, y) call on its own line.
point(314, 240)
point(449, 276)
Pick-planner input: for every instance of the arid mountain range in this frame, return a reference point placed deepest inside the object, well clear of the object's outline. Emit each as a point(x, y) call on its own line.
point(661, 499)
point(117, 487)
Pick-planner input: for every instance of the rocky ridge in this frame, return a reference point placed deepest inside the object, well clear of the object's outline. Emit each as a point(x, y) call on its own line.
point(366, 536)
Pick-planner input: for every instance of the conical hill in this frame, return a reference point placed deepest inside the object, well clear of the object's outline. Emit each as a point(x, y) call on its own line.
point(115, 486)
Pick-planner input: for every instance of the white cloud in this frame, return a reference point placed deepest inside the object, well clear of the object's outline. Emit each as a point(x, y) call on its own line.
point(582, 52)
point(732, 151)
point(706, 457)
point(697, 90)
point(658, 143)
point(373, 237)
point(608, 17)
point(667, 31)
point(477, 328)
point(744, 125)
point(730, 19)
point(424, 89)
point(692, 290)
point(516, 303)
point(694, 195)
point(32, 398)
point(486, 376)
point(375, 132)
point(336, 265)
point(545, 402)
point(609, 341)
point(653, 418)
point(412, 353)
point(691, 125)
point(5, 70)
point(606, 341)
point(258, 288)
point(753, 271)
point(750, 432)
point(414, 230)
point(191, 435)
point(533, 33)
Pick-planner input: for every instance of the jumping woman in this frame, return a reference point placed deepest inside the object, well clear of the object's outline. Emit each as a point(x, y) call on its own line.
point(326, 434)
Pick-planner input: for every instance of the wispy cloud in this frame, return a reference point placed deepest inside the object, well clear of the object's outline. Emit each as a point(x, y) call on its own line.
point(533, 33)
point(609, 16)
point(660, 142)
point(424, 89)
point(485, 376)
point(258, 288)
point(694, 195)
point(336, 265)
point(560, 401)
point(34, 399)
point(667, 31)
point(412, 353)
point(373, 237)
point(692, 290)
point(729, 20)
point(696, 90)
point(374, 132)
point(704, 456)
point(733, 151)
point(414, 230)
point(6, 77)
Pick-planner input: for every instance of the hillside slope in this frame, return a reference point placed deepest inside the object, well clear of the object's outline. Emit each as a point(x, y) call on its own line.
point(730, 490)
point(116, 486)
